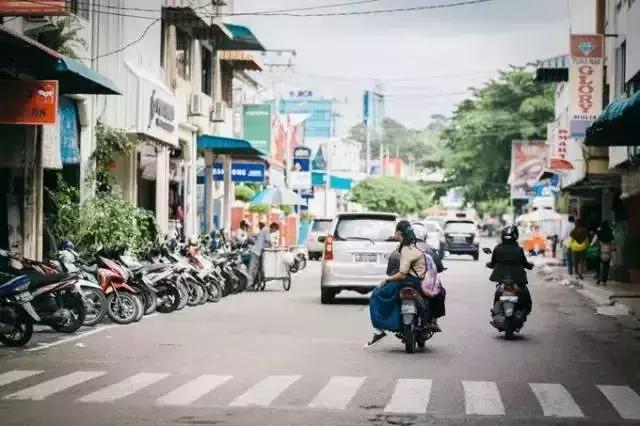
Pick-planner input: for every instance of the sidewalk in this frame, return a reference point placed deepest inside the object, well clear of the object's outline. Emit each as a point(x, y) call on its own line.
point(614, 299)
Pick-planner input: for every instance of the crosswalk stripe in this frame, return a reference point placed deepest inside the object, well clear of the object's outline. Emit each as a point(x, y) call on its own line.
point(411, 396)
point(624, 400)
point(337, 393)
point(15, 375)
point(193, 390)
point(265, 392)
point(482, 398)
point(124, 388)
point(555, 400)
point(50, 387)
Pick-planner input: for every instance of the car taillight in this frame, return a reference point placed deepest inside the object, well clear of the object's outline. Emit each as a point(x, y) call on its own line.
point(328, 248)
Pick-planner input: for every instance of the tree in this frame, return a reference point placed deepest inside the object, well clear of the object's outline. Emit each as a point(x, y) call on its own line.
point(391, 194)
point(244, 193)
point(64, 37)
point(478, 138)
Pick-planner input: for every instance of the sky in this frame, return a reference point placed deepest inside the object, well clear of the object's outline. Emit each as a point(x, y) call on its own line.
point(425, 61)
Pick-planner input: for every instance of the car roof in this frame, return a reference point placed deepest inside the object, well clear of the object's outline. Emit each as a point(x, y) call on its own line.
point(368, 214)
point(459, 221)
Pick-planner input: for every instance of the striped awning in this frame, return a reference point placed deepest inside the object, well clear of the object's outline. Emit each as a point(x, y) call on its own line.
point(241, 60)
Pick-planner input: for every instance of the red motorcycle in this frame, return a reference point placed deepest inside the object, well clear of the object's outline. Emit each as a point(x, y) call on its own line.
point(124, 305)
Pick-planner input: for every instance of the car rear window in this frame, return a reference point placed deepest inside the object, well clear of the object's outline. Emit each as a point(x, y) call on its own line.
point(371, 228)
point(466, 227)
point(321, 226)
point(432, 227)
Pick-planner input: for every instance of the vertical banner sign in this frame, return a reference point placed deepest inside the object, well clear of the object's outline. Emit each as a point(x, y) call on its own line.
point(365, 108)
point(528, 160)
point(28, 102)
point(256, 125)
point(300, 174)
point(558, 139)
point(585, 82)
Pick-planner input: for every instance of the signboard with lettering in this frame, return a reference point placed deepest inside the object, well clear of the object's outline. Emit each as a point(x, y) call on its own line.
point(300, 173)
point(558, 139)
point(28, 102)
point(585, 82)
point(33, 8)
point(256, 125)
point(241, 172)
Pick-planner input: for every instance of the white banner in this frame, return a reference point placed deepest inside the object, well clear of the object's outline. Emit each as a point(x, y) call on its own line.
point(585, 82)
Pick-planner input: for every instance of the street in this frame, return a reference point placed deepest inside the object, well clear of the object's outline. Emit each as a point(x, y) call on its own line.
point(283, 358)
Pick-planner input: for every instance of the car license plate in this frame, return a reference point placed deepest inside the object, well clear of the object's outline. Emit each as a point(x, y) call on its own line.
point(24, 297)
point(365, 257)
point(408, 308)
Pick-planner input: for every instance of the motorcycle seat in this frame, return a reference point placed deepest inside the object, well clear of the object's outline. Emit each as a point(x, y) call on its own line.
point(156, 267)
point(38, 280)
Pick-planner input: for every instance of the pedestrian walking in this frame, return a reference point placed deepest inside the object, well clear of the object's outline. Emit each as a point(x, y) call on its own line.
point(565, 237)
point(606, 246)
point(579, 244)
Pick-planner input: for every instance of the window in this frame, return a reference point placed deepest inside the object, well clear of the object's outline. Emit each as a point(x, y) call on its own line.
point(207, 70)
point(163, 34)
point(460, 227)
point(321, 226)
point(367, 228)
point(80, 8)
point(183, 54)
point(621, 68)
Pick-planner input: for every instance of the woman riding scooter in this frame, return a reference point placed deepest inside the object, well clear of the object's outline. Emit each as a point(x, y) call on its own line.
point(508, 261)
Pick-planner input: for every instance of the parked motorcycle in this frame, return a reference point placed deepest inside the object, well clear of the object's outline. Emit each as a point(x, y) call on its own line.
point(16, 313)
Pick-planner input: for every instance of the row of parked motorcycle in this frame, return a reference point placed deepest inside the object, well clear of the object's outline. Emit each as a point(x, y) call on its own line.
point(72, 290)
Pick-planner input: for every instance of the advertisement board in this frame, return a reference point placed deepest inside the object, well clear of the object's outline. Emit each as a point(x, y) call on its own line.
point(300, 173)
point(585, 82)
point(558, 139)
point(257, 125)
point(240, 172)
point(373, 110)
point(28, 102)
point(528, 162)
point(33, 8)
point(319, 121)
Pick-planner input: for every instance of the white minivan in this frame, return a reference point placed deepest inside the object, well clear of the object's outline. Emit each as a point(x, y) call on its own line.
point(356, 253)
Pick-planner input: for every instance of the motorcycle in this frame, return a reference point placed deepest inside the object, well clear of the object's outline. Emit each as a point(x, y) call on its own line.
point(299, 260)
point(413, 333)
point(123, 304)
point(16, 312)
point(507, 314)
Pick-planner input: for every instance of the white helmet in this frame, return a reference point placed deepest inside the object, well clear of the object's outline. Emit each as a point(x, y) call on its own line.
point(420, 231)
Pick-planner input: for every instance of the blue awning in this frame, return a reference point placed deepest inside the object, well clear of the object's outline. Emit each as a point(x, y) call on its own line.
point(42, 63)
point(228, 146)
point(618, 125)
point(241, 38)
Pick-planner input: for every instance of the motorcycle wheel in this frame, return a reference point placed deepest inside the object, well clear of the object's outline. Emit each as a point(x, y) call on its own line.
point(168, 298)
point(151, 303)
point(95, 305)
point(74, 305)
point(205, 294)
point(215, 292)
point(409, 338)
point(303, 262)
point(140, 301)
point(509, 328)
point(122, 308)
point(286, 283)
point(184, 295)
point(20, 334)
point(195, 293)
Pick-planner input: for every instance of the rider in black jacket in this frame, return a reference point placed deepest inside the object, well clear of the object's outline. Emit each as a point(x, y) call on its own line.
point(509, 262)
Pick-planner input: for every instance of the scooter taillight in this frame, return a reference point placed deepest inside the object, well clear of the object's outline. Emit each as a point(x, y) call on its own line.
point(408, 293)
point(509, 288)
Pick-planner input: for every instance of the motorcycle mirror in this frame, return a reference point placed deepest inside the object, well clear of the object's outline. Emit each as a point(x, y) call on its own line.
point(486, 250)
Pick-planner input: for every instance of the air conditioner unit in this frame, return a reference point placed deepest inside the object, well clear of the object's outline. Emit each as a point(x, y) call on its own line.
point(198, 105)
point(218, 112)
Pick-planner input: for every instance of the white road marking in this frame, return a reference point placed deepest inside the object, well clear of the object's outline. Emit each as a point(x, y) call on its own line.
point(71, 338)
point(15, 375)
point(50, 387)
point(124, 388)
point(265, 392)
point(624, 400)
point(191, 391)
point(482, 398)
point(337, 393)
point(411, 396)
point(555, 400)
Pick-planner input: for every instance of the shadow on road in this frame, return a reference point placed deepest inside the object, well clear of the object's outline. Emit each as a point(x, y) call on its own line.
point(351, 301)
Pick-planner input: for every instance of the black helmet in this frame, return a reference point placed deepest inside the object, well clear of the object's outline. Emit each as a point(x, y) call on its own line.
point(510, 233)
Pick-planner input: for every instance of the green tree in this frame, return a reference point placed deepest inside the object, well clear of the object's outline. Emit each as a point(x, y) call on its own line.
point(64, 37)
point(244, 193)
point(391, 194)
point(478, 138)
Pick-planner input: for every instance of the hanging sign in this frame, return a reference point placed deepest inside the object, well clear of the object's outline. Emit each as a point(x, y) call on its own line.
point(28, 102)
point(558, 149)
point(585, 82)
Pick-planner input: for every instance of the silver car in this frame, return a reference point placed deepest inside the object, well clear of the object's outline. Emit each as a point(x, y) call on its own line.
point(356, 253)
point(316, 237)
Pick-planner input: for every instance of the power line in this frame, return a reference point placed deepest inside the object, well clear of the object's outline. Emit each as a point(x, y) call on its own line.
point(131, 43)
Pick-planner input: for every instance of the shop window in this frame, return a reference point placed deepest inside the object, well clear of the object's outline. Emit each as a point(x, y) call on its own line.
point(183, 54)
point(207, 70)
point(227, 83)
point(621, 67)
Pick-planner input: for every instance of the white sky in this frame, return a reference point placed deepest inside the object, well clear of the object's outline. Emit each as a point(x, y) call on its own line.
point(423, 59)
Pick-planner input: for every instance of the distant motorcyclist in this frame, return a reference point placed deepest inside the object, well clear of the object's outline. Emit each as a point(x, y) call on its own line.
point(508, 261)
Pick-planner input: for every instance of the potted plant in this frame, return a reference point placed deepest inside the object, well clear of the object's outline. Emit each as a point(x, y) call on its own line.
point(631, 255)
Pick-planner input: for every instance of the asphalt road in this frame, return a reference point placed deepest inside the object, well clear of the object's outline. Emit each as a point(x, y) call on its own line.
point(278, 358)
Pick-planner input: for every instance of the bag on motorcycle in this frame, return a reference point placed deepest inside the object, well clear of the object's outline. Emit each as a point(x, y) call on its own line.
point(430, 285)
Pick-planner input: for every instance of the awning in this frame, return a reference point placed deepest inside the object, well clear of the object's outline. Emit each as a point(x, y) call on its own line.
point(241, 38)
point(228, 146)
point(29, 59)
point(241, 60)
point(553, 70)
point(617, 125)
point(335, 182)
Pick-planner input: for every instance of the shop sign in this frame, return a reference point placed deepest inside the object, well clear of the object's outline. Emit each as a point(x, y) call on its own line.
point(161, 113)
point(558, 149)
point(585, 82)
point(241, 172)
point(256, 125)
point(33, 8)
point(28, 102)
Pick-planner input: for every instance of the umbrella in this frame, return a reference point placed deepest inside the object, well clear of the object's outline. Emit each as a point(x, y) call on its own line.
point(278, 196)
point(540, 215)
